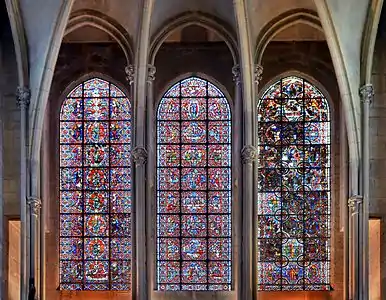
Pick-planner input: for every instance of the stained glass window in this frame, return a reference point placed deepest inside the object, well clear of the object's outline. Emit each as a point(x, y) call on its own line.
point(95, 190)
point(293, 188)
point(194, 188)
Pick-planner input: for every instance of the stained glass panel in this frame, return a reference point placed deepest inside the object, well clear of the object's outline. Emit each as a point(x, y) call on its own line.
point(95, 197)
point(293, 225)
point(194, 247)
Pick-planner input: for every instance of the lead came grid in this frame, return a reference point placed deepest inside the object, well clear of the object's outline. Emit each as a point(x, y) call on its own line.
point(194, 188)
point(95, 188)
point(294, 188)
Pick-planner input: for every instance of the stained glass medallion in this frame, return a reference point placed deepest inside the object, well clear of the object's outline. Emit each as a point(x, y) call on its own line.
point(194, 188)
point(293, 226)
point(95, 197)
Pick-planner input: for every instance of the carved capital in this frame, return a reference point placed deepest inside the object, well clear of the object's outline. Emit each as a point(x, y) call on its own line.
point(236, 74)
point(130, 72)
point(150, 73)
point(139, 155)
point(248, 154)
point(35, 205)
point(23, 96)
point(354, 203)
point(366, 93)
point(258, 74)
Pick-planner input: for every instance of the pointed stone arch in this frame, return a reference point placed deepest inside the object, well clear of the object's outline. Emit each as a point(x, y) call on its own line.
point(196, 18)
point(105, 23)
point(281, 23)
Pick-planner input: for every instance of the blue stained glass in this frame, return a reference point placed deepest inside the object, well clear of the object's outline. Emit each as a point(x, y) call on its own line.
point(293, 223)
point(194, 188)
point(95, 196)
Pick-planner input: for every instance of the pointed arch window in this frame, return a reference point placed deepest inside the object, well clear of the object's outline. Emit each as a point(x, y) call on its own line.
point(194, 188)
point(95, 188)
point(294, 194)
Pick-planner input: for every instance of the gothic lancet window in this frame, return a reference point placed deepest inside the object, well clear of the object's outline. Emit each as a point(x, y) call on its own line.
point(95, 184)
point(194, 188)
point(294, 195)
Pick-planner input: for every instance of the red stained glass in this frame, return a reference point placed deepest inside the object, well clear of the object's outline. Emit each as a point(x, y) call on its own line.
point(72, 109)
point(193, 108)
point(169, 109)
point(96, 248)
point(193, 179)
point(293, 223)
point(71, 132)
point(194, 249)
point(96, 109)
point(169, 155)
point(96, 202)
point(96, 155)
point(219, 132)
point(169, 248)
point(120, 132)
point(193, 134)
point(95, 221)
point(193, 155)
point(120, 155)
point(71, 156)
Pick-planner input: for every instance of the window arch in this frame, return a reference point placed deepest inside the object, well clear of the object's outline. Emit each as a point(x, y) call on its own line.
point(194, 188)
point(95, 188)
point(293, 227)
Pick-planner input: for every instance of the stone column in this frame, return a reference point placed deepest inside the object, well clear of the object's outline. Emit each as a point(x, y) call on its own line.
point(237, 178)
point(150, 175)
point(343, 195)
point(23, 100)
point(248, 157)
point(354, 204)
point(23, 96)
point(366, 93)
point(139, 155)
point(35, 205)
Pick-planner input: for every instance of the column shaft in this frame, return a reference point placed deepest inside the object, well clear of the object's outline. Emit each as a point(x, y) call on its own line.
point(367, 94)
point(150, 168)
point(355, 203)
point(23, 98)
point(34, 204)
point(237, 175)
point(139, 155)
point(344, 214)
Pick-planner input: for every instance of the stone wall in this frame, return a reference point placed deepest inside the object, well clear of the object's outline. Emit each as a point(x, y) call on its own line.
point(378, 150)
point(9, 142)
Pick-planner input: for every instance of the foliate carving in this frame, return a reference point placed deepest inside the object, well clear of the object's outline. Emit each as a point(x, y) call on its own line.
point(130, 72)
point(151, 73)
point(35, 205)
point(236, 74)
point(139, 155)
point(366, 93)
point(258, 74)
point(23, 96)
point(248, 154)
point(354, 203)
